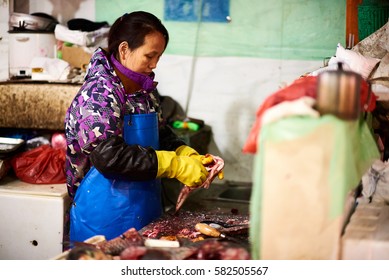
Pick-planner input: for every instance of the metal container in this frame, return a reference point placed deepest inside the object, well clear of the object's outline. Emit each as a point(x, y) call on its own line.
point(338, 93)
point(34, 22)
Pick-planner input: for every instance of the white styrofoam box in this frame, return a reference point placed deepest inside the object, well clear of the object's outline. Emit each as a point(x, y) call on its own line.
point(31, 219)
point(367, 234)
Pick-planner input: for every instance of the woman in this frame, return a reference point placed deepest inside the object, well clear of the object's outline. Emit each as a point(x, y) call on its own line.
point(117, 143)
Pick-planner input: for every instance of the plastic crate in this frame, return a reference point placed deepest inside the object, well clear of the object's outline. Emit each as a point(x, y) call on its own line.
point(371, 18)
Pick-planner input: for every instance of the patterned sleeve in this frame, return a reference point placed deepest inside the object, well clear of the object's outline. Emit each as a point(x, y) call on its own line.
point(97, 117)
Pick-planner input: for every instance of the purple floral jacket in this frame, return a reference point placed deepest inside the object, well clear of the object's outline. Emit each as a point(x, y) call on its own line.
point(95, 117)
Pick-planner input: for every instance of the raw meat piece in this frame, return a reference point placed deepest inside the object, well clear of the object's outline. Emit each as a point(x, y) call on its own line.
point(115, 246)
point(213, 169)
point(217, 250)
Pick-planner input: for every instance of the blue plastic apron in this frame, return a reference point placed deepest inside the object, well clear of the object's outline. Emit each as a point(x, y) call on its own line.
point(110, 207)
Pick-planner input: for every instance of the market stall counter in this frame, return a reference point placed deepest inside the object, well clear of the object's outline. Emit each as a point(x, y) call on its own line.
point(206, 227)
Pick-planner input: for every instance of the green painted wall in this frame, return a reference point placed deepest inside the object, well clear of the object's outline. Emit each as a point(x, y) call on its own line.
point(279, 29)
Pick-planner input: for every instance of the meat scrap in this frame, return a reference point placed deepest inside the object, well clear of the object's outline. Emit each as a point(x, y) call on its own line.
point(115, 246)
point(183, 225)
point(143, 253)
point(85, 252)
point(174, 225)
point(130, 246)
point(206, 250)
point(213, 170)
point(219, 250)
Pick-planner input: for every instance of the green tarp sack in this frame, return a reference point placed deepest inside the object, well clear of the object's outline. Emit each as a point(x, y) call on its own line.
point(302, 174)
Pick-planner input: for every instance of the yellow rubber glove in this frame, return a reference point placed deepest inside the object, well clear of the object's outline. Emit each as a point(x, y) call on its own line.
point(190, 152)
point(187, 170)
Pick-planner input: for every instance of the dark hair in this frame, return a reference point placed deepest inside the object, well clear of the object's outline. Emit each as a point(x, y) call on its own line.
point(133, 28)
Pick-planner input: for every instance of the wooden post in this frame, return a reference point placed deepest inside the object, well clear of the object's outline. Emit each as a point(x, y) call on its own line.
point(352, 22)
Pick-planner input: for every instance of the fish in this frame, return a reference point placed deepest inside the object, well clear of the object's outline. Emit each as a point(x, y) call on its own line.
point(214, 168)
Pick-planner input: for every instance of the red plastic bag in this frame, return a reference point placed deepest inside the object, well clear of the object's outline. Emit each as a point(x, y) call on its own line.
point(42, 165)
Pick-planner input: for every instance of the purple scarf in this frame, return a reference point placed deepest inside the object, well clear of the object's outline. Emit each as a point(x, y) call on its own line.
point(146, 82)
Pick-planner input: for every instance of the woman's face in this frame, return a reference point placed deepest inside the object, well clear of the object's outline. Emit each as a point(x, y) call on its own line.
point(145, 58)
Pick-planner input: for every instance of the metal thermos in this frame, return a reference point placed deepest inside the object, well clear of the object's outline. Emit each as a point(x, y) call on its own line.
point(338, 93)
